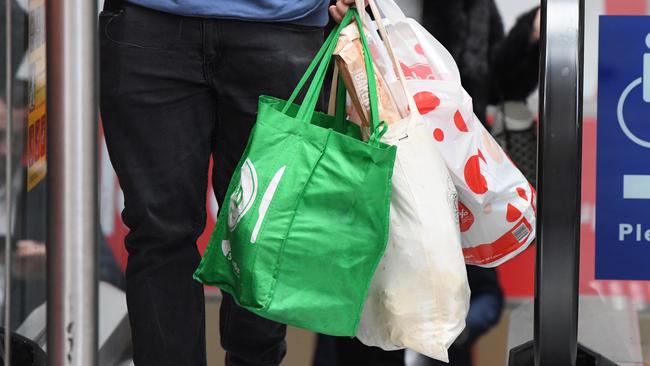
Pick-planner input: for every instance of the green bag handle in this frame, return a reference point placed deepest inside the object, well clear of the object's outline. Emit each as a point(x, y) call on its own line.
point(323, 56)
point(341, 100)
point(322, 60)
point(316, 62)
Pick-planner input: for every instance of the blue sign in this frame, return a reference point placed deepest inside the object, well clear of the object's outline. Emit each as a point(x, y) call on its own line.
point(623, 163)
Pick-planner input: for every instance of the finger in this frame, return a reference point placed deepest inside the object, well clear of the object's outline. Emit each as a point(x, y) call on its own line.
point(335, 15)
point(352, 2)
point(342, 8)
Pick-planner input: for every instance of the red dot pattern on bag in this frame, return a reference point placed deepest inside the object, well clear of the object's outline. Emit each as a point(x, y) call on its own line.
point(417, 71)
point(419, 49)
point(439, 135)
point(480, 155)
point(465, 217)
point(522, 193)
point(460, 122)
point(513, 214)
point(473, 177)
point(426, 102)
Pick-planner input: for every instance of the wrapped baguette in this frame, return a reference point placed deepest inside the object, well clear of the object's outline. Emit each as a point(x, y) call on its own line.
point(351, 65)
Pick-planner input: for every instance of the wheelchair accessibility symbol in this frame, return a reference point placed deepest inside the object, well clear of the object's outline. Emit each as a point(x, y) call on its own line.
point(622, 128)
point(643, 81)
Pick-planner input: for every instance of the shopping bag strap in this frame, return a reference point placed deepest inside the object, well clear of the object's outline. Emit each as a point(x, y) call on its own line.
point(378, 129)
point(338, 98)
point(337, 101)
point(341, 99)
point(318, 68)
point(332, 102)
point(390, 10)
point(391, 52)
point(316, 62)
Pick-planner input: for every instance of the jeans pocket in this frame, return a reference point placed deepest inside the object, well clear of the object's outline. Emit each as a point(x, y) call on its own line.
point(137, 27)
point(109, 67)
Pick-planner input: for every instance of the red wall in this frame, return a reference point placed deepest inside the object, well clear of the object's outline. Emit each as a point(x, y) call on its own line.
point(626, 7)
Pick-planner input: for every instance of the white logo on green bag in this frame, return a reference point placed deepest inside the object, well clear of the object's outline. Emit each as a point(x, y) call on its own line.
point(227, 252)
point(225, 248)
point(266, 202)
point(243, 197)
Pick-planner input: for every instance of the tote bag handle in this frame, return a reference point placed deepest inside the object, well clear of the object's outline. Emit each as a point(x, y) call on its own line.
point(389, 47)
point(319, 67)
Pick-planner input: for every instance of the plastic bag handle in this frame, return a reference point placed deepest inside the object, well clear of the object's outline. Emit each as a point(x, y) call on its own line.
point(391, 10)
point(389, 47)
point(331, 107)
point(338, 98)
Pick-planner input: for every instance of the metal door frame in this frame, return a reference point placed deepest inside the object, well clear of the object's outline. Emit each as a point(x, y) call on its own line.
point(559, 178)
point(72, 95)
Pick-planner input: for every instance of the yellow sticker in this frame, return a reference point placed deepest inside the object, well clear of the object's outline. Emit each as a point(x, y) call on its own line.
point(36, 151)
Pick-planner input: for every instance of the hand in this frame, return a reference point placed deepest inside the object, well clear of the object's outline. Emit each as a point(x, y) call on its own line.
point(537, 25)
point(338, 11)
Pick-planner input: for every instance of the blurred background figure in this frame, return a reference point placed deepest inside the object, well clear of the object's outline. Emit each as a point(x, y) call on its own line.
point(27, 277)
point(29, 251)
point(495, 68)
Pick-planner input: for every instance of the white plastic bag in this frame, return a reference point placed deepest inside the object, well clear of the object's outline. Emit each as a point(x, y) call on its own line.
point(419, 296)
point(497, 203)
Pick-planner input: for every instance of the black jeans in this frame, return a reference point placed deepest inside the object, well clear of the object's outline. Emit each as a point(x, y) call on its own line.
point(344, 351)
point(340, 351)
point(174, 92)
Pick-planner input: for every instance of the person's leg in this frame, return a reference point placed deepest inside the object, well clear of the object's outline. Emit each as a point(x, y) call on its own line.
point(326, 353)
point(248, 339)
point(458, 356)
point(249, 60)
point(351, 352)
point(158, 114)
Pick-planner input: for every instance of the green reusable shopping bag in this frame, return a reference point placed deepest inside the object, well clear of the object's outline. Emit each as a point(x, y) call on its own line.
point(306, 216)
